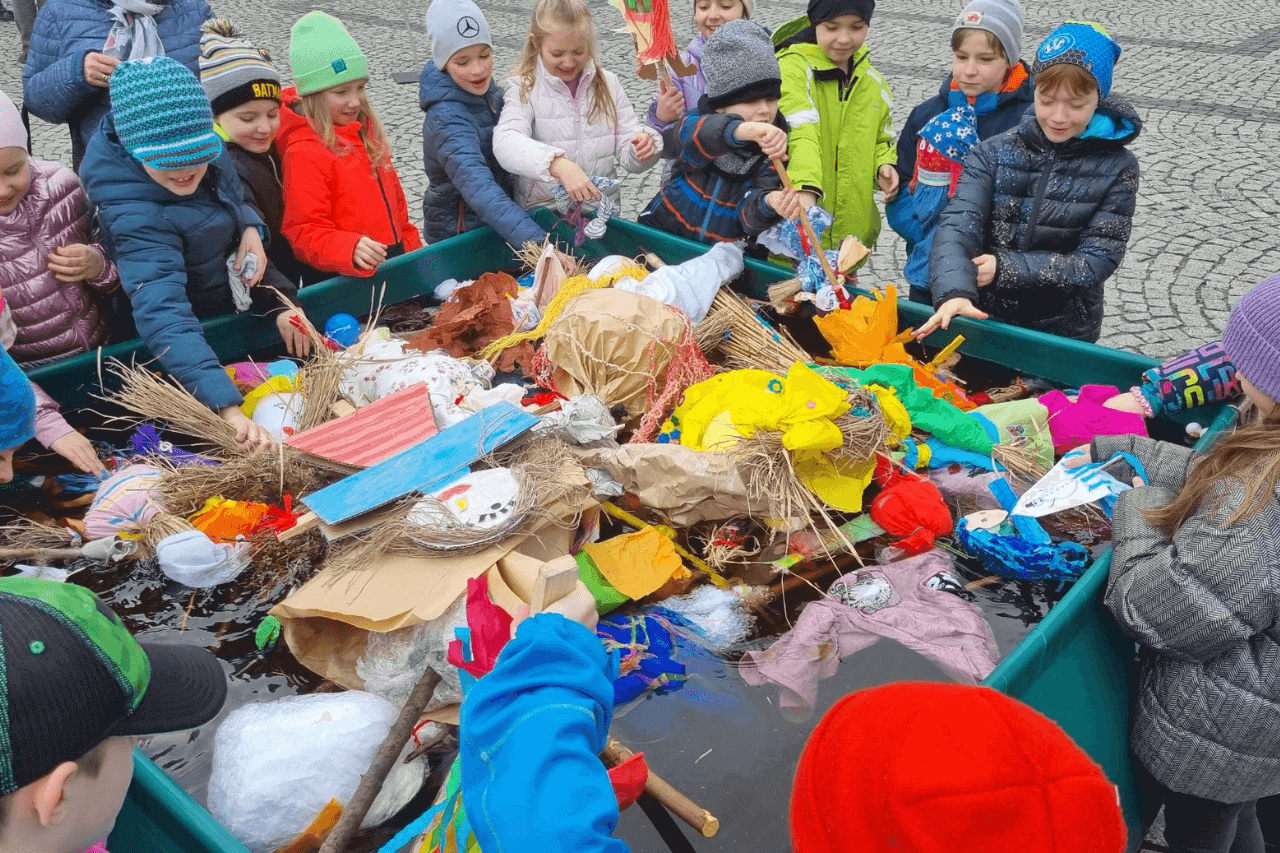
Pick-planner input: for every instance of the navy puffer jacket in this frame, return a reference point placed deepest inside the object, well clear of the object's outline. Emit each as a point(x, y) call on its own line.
point(172, 252)
point(1056, 217)
point(467, 187)
point(65, 30)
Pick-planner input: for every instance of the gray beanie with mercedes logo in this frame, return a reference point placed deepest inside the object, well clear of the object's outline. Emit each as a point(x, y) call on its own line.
point(453, 25)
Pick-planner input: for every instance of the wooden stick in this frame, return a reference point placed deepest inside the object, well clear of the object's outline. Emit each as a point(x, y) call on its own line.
point(808, 229)
point(556, 579)
point(666, 793)
point(371, 782)
point(39, 553)
point(306, 521)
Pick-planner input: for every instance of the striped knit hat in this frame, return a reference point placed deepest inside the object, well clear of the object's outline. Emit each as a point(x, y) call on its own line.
point(323, 54)
point(232, 71)
point(162, 116)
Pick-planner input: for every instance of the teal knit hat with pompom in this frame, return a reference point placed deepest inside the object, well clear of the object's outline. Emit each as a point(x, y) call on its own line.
point(162, 115)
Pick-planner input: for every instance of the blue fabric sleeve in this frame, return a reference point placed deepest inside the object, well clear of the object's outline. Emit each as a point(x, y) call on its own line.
point(531, 734)
point(53, 83)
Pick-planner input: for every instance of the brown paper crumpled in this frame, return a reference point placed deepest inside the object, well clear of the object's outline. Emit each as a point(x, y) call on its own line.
point(474, 317)
point(685, 485)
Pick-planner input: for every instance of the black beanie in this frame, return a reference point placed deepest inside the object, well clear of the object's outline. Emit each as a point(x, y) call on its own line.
point(825, 10)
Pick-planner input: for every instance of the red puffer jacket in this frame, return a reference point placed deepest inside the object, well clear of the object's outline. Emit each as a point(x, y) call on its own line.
point(53, 318)
point(331, 200)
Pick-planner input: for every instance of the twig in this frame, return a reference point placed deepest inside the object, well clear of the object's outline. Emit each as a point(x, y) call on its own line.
point(664, 792)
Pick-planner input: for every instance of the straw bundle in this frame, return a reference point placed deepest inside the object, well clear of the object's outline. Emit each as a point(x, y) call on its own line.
point(320, 382)
point(772, 482)
point(263, 476)
point(529, 254)
point(1019, 461)
point(32, 534)
point(744, 339)
point(864, 434)
point(163, 525)
point(164, 400)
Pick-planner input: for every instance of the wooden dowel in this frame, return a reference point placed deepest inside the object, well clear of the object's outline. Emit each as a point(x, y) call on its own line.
point(39, 553)
point(664, 792)
point(808, 229)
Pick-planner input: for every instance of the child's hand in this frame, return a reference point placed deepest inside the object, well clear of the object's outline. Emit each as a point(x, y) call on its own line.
point(642, 145)
point(959, 306)
point(575, 181)
point(1126, 401)
point(251, 244)
point(296, 340)
point(671, 103)
point(368, 254)
point(772, 140)
point(77, 450)
point(807, 199)
point(887, 177)
point(1081, 455)
point(986, 269)
point(249, 436)
point(76, 262)
point(785, 203)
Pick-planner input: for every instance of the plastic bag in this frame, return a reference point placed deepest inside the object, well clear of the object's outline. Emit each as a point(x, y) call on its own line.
point(277, 764)
point(691, 286)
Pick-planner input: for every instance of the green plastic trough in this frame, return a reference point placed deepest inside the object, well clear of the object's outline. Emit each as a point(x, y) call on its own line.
point(1073, 666)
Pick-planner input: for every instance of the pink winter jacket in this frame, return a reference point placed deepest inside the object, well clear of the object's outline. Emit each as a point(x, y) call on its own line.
point(53, 318)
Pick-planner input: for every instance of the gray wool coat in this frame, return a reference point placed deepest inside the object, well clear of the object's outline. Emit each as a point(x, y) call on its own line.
point(1203, 608)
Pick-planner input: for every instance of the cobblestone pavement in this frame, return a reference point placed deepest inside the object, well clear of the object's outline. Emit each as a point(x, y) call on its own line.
point(1204, 76)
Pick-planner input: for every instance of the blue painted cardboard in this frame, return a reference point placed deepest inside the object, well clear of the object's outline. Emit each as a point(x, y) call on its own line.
point(425, 467)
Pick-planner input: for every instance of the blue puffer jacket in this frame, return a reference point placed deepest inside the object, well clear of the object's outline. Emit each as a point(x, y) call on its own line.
point(172, 253)
point(1055, 216)
point(467, 187)
point(53, 82)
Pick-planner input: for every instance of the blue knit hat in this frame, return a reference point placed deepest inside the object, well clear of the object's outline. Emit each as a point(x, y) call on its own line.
point(1081, 43)
point(17, 405)
point(162, 115)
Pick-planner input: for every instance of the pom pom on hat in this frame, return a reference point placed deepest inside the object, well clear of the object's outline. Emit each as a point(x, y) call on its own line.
point(233, 71)
point(740, 65)
point(453, 25)
point(1082, 43)
point(17, 405)
point(1252, 338)
point(13, 134)
point(323, 54)
point(1001, 18)
point(162, 115)
point(903, 767)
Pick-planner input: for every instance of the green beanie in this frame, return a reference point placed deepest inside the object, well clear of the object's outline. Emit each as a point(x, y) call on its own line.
point(323, 54)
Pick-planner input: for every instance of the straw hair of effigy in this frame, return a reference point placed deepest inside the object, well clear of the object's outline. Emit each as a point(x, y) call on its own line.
point(320, 383)
point(1019, 461)
point(262, 476)
point(166, 401)
point(863, 427)
point(163, 525)
point(744, 339)
point(27, 533)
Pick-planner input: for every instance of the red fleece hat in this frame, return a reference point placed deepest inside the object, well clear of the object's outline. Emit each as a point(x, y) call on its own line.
point(942, 768)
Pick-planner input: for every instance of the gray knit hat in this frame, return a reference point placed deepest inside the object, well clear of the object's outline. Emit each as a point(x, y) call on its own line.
point(740, 65)
point(453, 25)
point(232, 71)
point(1001, 18)
point(1252, 338)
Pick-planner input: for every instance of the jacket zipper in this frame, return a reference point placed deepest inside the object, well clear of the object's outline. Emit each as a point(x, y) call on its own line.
point(1041, 187)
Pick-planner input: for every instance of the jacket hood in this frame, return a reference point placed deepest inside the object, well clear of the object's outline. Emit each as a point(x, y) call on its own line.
point(118, 176)
point(818, 58)
point(1115, 124)
point(435, 86)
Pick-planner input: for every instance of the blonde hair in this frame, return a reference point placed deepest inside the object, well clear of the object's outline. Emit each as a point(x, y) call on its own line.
point(554, 16)
point(313, 108)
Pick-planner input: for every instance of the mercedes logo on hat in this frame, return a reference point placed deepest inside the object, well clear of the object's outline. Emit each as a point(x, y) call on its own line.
point(467, 27)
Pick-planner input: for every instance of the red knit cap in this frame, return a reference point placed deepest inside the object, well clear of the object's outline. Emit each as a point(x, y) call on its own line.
point(943, 768)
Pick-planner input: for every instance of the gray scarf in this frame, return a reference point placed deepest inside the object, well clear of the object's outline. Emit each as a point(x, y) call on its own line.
point(133, 30)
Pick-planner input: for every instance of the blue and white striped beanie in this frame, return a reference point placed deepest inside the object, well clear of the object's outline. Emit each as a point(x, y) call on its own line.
point(162, 115)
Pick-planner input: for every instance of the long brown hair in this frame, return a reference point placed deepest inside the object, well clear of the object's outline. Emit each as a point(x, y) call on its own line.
point(313, 108)
point(555, 16)
point(1250, 456)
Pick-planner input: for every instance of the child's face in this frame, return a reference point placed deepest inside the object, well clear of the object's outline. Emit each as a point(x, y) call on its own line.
point(93, 803)
point(564, 53)
point(761, 109)
point(178, 181)
point(841, 36)
point(345, 101)
point(977, 67)
point(1259, 398)
point(253, 125)
point(1062, 114)
point(15, 178)
point(708, 15)
point(471, 68)
point(6, 464)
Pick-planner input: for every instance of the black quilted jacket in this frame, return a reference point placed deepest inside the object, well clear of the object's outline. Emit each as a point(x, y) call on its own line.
point(1056, 216)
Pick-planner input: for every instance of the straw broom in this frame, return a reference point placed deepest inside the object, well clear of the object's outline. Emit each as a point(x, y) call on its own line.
point(164, 400)
point(745, 339)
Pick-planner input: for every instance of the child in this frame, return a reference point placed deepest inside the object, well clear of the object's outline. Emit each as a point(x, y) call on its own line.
point(683, 94)
point(1193, 580)
point(1042, 214)
point(51, 268)
point(723, 186)
point(565, 119)
point(78, 690)
point(243, 88)
point(838, 107)
point(174, 220)
point(344, 209)
point(26, 412)
point(466, 187)
point(985, 94)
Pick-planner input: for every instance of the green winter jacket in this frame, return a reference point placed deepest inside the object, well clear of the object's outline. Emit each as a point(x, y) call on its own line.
point(838, 139)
